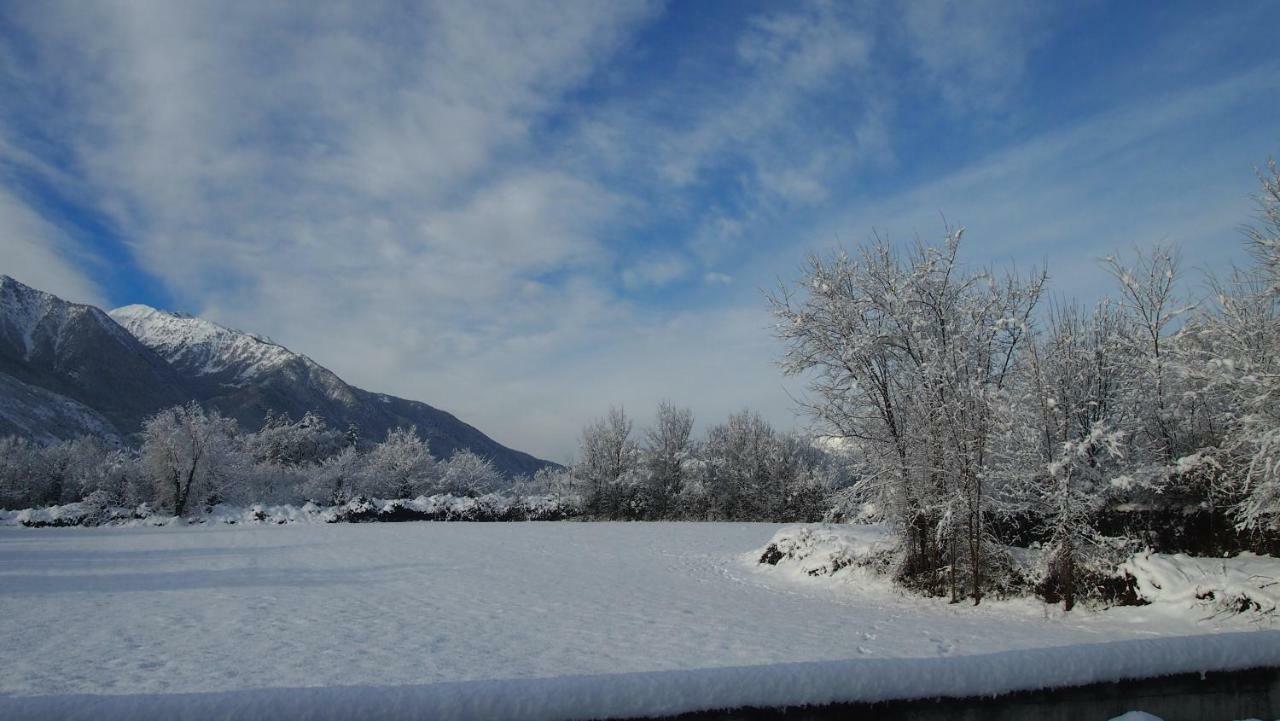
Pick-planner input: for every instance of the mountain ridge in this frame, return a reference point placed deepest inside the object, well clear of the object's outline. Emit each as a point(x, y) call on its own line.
point(164, 358)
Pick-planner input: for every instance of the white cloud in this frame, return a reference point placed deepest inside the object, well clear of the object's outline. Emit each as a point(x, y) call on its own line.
point(975, 52)
point(788, 57)
point(35, 252)
point(656, 271)
point(355, 180)
point(415, 196)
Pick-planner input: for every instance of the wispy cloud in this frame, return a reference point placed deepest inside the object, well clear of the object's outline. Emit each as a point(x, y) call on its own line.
point(36, 252)
point(974, 52)
point(503, 209)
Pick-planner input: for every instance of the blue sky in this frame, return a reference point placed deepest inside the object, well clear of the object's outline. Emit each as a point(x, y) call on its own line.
point(523, 212)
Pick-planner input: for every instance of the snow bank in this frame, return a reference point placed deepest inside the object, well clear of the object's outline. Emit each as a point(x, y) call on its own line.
point(86, 514)
point(1246, 583)
point(81, 513)
point(674, 692)
point(828, 550)
point(490, 507)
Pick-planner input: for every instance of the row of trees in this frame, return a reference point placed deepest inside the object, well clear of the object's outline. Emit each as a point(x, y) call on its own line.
point(190, 458)
point(743, 470)
point(981, 416)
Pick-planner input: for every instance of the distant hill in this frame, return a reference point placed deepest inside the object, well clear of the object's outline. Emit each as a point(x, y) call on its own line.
point(68, 369)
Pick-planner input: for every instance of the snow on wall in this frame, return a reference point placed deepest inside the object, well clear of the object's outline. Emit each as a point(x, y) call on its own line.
point(673, 692)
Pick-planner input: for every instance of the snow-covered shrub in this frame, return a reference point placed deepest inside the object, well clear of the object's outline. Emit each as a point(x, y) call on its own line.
point(827, 550)
point(1096, 577)
point(467, 474)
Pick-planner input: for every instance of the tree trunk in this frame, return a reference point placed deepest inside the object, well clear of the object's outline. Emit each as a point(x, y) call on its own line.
point(1069, 579)
point(179, 499)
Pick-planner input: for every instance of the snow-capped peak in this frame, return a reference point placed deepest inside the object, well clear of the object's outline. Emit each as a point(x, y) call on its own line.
point(36, 316)
point(201, 346)
point(23, 307)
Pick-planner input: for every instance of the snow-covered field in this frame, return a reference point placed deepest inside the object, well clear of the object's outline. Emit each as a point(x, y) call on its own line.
point(521, 620)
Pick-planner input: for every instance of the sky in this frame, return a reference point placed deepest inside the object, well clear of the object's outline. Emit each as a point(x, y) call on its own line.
point(524, 212)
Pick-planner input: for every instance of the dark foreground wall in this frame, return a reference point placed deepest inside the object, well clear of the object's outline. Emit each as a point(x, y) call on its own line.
point(1225, 696)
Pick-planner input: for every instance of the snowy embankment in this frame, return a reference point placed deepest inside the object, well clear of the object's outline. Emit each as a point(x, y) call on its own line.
point(522, 621)
point(1246, 585)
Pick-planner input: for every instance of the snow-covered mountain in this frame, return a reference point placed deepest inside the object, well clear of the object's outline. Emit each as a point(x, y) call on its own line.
point(198, 347)
point(118, 368)
point(69, 368)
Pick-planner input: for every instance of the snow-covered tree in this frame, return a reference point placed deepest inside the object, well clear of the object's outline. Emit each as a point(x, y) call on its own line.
point(1075, 488)
point(1234, 365)
point(285, 442)
point(668, 448)
point(186, 453)
point(23, 481)
point(738, 455)
point(608, 465)
point(908, 357)
point(399, 467)
point(804, 475)
point(468, 474)
point(1151, 310)
point(333, 481)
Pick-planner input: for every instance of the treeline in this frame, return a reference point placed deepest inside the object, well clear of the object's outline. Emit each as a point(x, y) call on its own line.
point(982, 416)
point(743, 470)
point(190, 459)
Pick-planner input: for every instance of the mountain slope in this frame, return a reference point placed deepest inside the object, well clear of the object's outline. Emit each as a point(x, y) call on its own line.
point(245, 375)
point(68, 369)
point(77, 352)
point(45, 416)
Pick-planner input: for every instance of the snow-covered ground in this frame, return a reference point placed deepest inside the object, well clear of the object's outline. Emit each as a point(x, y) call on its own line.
point(520, 620)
